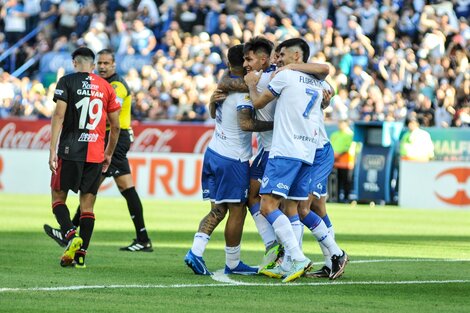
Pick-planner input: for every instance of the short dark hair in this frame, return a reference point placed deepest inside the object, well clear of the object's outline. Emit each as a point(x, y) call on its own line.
point(107, 51)
point(297, 42)
point(259, 44)
point(235, 56)
point(84, 52)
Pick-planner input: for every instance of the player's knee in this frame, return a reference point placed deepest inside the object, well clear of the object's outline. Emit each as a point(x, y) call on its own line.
point(303, 209)
point(218, 212)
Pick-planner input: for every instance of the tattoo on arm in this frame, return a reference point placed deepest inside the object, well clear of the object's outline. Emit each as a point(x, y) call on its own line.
point(248, 122)
point(229, 84)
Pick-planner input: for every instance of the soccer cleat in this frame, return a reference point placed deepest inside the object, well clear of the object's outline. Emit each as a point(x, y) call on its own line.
point(241, 269)
point(324, 272)
point(298, 269)
point(273, 272)
point(69, 254)
point(270, 257)
point(137, 246)
point(55, 234)
point(338, 265)
point(196, 263)
point(79, 259)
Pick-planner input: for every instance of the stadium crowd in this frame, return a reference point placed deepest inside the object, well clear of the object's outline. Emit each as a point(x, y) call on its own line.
point(390, 59)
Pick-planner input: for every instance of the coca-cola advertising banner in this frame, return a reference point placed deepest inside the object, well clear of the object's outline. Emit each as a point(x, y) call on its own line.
point(156, 175)
point(161, 137)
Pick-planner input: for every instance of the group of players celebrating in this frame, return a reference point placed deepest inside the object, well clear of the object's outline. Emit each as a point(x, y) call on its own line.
point(278, 95)
point(273, 92)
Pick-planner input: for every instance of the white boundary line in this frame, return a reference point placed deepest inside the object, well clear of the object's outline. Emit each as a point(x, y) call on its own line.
point(236, 284)
point(225, 281)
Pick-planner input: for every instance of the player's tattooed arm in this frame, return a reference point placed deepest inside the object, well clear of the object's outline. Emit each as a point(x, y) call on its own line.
point(248, 122)
point(211, 220)
point(319, 70)
point(260, 100)
point(231, 84)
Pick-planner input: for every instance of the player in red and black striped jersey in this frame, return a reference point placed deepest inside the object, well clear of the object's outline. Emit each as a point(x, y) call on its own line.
point(84, 101)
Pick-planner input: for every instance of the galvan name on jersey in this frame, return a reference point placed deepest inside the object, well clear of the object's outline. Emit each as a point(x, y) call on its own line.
point(87, 92)
point(85, 137)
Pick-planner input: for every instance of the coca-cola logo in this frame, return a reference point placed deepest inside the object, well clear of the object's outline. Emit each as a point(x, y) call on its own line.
point(153, 140)
point(12, 139)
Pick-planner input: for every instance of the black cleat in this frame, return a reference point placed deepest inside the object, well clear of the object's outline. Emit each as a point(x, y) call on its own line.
point(324, 272)
point(137, 246)
point(338, 265)
point(55, 234)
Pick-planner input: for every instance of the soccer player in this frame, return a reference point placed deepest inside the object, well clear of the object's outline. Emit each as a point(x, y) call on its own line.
point(312, 212)
point(225, 179)
point(257, 53)
point(83, 103)
point(119, 168)
point(293, 147)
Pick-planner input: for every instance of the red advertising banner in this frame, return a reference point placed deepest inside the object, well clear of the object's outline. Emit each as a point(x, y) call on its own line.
point(155, 137)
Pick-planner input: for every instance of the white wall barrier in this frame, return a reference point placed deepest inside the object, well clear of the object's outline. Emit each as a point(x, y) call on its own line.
point(434, 185)
point(156, 175)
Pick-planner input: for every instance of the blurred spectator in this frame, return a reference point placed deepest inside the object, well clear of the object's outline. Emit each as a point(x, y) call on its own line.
point(416, 143)
point(14, 17)
point(143, 41)
point(68, 10)
point(342, 143)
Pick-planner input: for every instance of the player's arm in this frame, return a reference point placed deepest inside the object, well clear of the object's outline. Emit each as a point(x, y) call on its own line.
point(259, 100)
point(216, 97)
point(327, 95)
point(114, 129)
point(247, 121)
point(319, 70)
point(56, 126)
point(232, 84)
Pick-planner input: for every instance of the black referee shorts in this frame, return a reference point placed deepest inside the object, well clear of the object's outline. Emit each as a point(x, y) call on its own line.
point(119, 163)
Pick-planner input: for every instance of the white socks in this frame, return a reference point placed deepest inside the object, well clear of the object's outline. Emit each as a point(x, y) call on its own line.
point(199, 243)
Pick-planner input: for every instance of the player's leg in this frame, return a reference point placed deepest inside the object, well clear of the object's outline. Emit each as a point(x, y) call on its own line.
point(127, 189)
point(76, 217)
point(277, 180)
point(233, 236)
point(265, 229)
point(67, 177)
point(88, 189)
point(194, 257)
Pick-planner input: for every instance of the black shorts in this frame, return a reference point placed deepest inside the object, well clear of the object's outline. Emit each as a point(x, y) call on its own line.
point(119, 163)
point(76, 175)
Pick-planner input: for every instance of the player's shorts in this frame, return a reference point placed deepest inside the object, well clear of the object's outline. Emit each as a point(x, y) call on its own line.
point(119, 163)
point(224, 180)
point(287, 178)
point(259, 165)
point(321, 169)
point(77, 175)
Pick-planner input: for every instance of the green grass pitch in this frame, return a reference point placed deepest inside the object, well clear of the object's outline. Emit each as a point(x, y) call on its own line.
point(402, 260)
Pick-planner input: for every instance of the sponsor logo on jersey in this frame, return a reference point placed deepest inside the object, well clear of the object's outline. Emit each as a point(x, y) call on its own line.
point(58, 92)
point(265, 181)
point(282, 186)
point(85, 137)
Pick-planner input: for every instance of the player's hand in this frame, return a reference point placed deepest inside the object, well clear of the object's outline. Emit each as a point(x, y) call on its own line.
point(252, 78)
point(218, 96)
point(106, 162)
point(53, 161)
point(327, 94)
